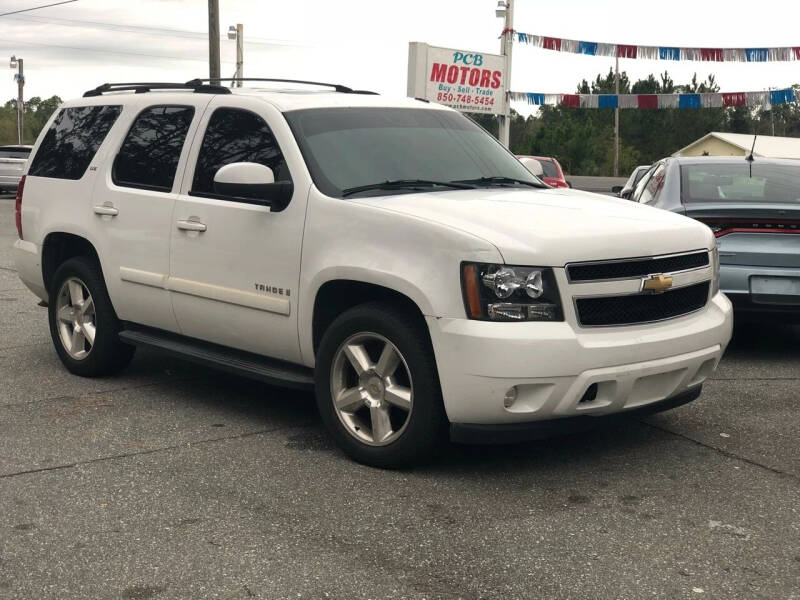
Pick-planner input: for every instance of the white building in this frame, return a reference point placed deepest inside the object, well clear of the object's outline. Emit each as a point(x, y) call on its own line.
point(739, 144)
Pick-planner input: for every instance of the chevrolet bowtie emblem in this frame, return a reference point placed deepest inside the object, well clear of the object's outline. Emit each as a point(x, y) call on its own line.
point(656, 284)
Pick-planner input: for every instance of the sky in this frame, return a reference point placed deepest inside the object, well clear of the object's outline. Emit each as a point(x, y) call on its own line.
point(71, 48)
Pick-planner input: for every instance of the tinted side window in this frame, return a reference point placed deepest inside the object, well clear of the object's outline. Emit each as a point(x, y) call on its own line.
point(235, 135)
point(653, 185)
point(72, 141)
point(149, 155)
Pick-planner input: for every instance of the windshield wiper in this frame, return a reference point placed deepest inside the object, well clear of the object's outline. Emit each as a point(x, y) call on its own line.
point(398, 184)
point(498, 179)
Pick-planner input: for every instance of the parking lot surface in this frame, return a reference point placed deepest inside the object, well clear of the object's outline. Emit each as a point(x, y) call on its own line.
point(174, 481)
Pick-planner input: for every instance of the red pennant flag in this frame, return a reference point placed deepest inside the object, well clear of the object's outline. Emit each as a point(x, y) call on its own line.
point(551, 43)
point(571, 101)
point(734, 99)
point(797, 52)
point(712, 54)
point(648, 100)
point(624, 51)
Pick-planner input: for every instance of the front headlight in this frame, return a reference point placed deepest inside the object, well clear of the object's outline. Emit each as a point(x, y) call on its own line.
point(510, 293)
point(714, 270)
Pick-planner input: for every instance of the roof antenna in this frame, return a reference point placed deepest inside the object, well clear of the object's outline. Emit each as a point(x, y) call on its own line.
point(750, 158)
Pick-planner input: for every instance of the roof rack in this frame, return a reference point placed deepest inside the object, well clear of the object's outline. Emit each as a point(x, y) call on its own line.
point(195, 85)
point(343, 89)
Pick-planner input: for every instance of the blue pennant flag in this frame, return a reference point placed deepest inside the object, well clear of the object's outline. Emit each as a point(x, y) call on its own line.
point(607, 101)
point(689, 101)
point(756, 54)
point(667, 53)
point(587, 48)
point(781, 96)
point(535, 98)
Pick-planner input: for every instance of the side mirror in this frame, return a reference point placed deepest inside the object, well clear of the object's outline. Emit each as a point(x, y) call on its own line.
point(533, 165)
point(253, 183)
point(617, 189)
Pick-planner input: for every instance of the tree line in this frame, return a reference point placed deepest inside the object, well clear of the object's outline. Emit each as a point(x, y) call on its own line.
point(37, 112)
point(583, 139)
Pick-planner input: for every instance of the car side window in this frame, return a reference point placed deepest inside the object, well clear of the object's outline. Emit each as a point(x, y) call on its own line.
point(637, 192)
point(236, 135)
point(150, 152)
point(653, 185)
point(72, 141)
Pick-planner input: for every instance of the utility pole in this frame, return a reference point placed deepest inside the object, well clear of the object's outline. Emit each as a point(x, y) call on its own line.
point(213, 41)
point(772, 115)
point(616, 120)
point(239, 52)
point(506, 9)
point(19, 77)
point(237, 33)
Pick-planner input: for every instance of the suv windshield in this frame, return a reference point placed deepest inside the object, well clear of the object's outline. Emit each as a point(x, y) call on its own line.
point(741, 182)
point(380, 151)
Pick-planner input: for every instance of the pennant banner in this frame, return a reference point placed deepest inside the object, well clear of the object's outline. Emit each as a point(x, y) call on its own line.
point(785, 53)
point(710, 100)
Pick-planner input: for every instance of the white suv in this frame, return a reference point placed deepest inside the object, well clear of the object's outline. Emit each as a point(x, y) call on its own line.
point(389, 254)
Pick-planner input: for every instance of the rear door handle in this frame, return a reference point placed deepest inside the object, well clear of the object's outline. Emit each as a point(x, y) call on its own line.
point(192, 226)
point(106, 210)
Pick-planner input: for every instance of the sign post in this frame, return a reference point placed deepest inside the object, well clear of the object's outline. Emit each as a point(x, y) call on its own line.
point(472, 82)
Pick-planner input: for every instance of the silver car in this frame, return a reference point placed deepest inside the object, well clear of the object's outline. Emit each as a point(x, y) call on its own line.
point(625, 191)
point(12, 164)
point(753, 208)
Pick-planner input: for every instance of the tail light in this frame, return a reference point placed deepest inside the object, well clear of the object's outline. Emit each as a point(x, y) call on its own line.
point(18, 206)
point(722, 227)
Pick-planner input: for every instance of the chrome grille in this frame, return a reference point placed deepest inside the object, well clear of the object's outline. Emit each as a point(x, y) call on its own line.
point(636, 267)
point(641, 308)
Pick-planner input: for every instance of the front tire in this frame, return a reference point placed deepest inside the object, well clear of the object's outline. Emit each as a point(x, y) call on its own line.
point(83, 324)
point(377, 386)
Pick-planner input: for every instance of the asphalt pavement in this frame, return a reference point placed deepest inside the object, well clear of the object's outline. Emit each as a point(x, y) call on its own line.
point(174, 481)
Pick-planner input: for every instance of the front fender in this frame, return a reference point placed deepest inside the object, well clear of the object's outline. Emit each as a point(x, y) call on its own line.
point(353, 241)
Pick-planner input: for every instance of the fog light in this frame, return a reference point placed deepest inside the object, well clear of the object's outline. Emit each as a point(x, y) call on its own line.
point(510, 397)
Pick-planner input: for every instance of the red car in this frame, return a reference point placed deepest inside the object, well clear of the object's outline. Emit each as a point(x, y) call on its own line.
point(553, 175)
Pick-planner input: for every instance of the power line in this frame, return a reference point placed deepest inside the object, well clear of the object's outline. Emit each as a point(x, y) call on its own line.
point(104, 51)
point(148, 30)
point(14, 12)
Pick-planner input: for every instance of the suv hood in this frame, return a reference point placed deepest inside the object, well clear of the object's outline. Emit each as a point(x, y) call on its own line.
point(552, 227)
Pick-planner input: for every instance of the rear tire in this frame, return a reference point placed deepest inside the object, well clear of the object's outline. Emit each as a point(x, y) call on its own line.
point(83, 324)
point(378, 362)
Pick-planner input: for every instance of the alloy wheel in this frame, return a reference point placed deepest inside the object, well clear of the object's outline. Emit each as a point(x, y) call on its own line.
point(75, 318)
point(371, 388)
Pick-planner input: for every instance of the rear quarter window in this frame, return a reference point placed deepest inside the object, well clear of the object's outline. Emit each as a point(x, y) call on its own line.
point(72, 141)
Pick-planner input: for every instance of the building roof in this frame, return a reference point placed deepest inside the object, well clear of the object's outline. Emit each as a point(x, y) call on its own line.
point(766, 145)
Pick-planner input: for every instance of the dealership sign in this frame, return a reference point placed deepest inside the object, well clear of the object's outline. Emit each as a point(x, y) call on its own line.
point(464, 80)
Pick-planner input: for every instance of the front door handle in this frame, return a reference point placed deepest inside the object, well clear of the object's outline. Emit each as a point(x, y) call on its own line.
point(191, 226)
point(106, 210)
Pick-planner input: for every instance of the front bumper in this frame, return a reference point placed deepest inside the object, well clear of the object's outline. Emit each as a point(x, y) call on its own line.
point(507, 433)
point(552, 365)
